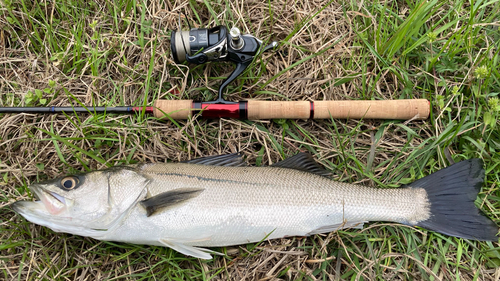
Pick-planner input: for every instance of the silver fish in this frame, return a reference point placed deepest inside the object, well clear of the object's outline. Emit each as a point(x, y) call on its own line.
point(219, 201)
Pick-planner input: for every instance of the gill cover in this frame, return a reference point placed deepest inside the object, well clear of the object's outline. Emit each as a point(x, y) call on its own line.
point(125, 188)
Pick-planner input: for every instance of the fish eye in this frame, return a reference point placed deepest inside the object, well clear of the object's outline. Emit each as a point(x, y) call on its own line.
point(69, 183)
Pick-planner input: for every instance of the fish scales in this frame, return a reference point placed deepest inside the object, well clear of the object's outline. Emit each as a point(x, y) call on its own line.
point(247, 204)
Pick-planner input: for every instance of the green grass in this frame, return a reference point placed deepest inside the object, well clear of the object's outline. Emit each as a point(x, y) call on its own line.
point(117, 53)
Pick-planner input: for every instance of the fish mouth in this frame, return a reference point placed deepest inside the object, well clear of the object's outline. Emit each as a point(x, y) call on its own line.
point(53, 202)
point(49, 209)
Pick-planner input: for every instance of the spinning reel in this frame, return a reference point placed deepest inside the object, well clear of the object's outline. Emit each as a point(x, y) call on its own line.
point(201, 45)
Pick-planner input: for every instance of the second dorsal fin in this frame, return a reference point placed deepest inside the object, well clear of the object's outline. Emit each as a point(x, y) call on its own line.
point(303, 162)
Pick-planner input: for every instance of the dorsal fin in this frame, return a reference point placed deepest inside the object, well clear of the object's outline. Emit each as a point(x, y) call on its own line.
point(303, 162)
point(228, 160)
point(169, 199)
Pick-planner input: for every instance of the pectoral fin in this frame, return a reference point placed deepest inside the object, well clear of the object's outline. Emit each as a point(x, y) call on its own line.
point(188, 250)
point(169, 199)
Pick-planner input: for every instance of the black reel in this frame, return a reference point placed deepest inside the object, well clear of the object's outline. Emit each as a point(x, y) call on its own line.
point(201, 45)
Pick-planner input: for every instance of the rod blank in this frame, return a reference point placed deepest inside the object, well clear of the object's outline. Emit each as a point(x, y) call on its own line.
point(77, 109)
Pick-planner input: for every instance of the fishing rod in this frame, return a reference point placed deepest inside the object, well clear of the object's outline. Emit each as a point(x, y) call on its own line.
point(202, 45)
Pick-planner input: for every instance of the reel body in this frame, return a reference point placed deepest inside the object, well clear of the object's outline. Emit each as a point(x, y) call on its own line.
point(201, 45)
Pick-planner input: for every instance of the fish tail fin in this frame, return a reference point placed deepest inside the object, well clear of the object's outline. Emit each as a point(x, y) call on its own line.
point(451, 193)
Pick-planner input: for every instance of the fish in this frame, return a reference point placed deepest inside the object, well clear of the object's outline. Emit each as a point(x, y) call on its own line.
point(220, 200)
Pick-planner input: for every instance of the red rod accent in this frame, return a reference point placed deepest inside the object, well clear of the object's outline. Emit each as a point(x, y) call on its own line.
point(149, 109)
point(214, 110)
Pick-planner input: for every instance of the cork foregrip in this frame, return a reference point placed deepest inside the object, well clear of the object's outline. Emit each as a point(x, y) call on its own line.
point(175, 109)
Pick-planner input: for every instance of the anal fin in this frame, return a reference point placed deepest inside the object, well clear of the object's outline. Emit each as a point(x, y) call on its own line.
point(192, 251)
point(338, 226)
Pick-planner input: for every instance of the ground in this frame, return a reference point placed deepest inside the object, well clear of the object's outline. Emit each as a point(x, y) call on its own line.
point(115, 53)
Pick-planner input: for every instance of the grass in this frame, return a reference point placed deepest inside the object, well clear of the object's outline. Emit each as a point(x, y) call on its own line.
point(117, 53)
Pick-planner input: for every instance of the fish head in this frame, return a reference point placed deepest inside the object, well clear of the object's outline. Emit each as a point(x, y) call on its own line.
point(84, 204)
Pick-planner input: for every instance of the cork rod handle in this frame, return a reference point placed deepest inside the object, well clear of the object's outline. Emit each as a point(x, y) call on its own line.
point(256, 109)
